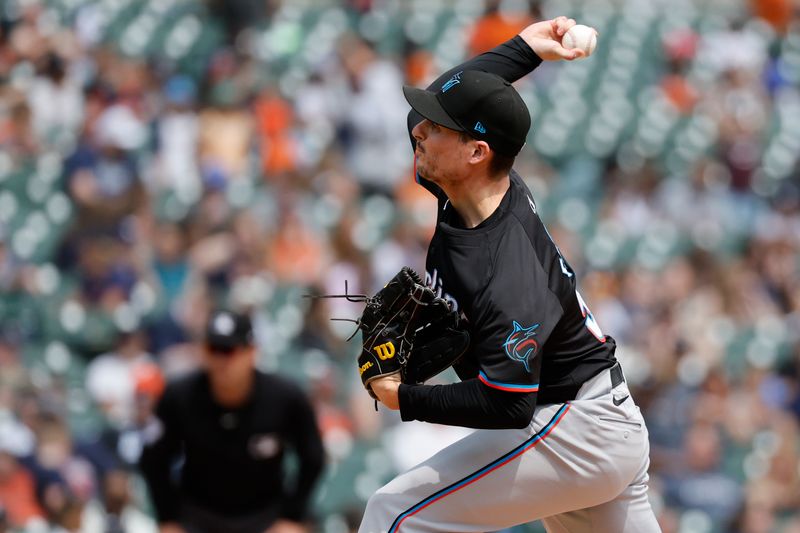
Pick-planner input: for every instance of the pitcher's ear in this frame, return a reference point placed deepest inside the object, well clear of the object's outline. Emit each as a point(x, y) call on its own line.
point(480, 152)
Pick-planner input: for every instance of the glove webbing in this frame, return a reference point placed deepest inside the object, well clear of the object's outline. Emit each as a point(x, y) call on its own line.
point(403, 338)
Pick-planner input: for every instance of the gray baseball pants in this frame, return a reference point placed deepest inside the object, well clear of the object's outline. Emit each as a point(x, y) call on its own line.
point(579, 467)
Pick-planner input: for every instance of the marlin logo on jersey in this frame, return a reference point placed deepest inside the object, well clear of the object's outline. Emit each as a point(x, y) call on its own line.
point(455, 80)
point(520, 344)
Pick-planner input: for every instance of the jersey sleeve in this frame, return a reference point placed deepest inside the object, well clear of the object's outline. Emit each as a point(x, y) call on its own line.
point(511, 60)
point(466, 403)
point(513, 318)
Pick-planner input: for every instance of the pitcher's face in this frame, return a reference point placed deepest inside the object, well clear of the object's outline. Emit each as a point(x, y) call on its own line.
point(441, 155)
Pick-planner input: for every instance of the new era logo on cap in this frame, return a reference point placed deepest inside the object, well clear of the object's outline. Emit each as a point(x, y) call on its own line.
point(479, 128)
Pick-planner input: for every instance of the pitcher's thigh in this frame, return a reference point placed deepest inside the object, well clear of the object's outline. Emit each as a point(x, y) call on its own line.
point(629, 512)
point(492, 480)
point(487, 481)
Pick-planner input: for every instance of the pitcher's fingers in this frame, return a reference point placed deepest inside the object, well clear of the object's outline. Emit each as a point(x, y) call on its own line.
point(557, 24)
point(564, 25)
point(568, 53)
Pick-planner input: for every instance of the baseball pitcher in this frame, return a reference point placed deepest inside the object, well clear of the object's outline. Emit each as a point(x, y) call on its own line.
point(559, 437)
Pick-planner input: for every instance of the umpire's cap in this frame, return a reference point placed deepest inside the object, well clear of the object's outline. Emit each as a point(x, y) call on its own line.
point(483, 105)
point(227, 330)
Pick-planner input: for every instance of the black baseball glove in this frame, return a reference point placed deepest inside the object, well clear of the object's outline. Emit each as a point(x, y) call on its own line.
point(406, 328)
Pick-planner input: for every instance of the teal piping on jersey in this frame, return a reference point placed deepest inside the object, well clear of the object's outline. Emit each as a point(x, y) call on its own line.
point(510, 387)
point(491, 467)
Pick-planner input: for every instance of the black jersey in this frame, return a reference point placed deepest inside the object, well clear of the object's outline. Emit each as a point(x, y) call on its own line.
point(232, 458)
point(531, 331)
point(533, 337)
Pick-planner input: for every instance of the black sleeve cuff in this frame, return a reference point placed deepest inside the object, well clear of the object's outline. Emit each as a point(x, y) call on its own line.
point(527, 51)
point(407, 398)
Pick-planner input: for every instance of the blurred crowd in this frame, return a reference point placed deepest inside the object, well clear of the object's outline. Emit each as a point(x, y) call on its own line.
point(161, 158)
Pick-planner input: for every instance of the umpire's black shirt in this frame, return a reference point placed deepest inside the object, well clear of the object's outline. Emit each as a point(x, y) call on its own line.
point(232, 458)
point(534, 340)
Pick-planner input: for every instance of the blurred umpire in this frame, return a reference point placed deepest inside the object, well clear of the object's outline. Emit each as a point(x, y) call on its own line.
point(230, 424)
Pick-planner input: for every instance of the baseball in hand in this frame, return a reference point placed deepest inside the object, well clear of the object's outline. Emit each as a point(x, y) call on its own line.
point(580, 37)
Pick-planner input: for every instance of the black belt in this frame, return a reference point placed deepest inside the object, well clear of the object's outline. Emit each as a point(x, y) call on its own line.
point(616, 375)
point(567, 393)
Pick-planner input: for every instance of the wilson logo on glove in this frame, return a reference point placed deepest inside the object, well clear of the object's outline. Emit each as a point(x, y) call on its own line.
point(385, 351)
point(363, 368)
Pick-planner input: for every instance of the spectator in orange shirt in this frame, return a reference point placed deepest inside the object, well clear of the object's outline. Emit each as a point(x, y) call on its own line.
point(274, 121)
point(17, 492)
point(495, 27)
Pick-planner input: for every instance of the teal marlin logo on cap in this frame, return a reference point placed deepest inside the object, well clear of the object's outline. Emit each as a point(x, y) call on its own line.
point(455, 80)
point(480, 128)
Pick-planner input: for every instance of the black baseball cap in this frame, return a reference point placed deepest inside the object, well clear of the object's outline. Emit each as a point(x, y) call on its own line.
point(483, 105)
point(227, 330)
